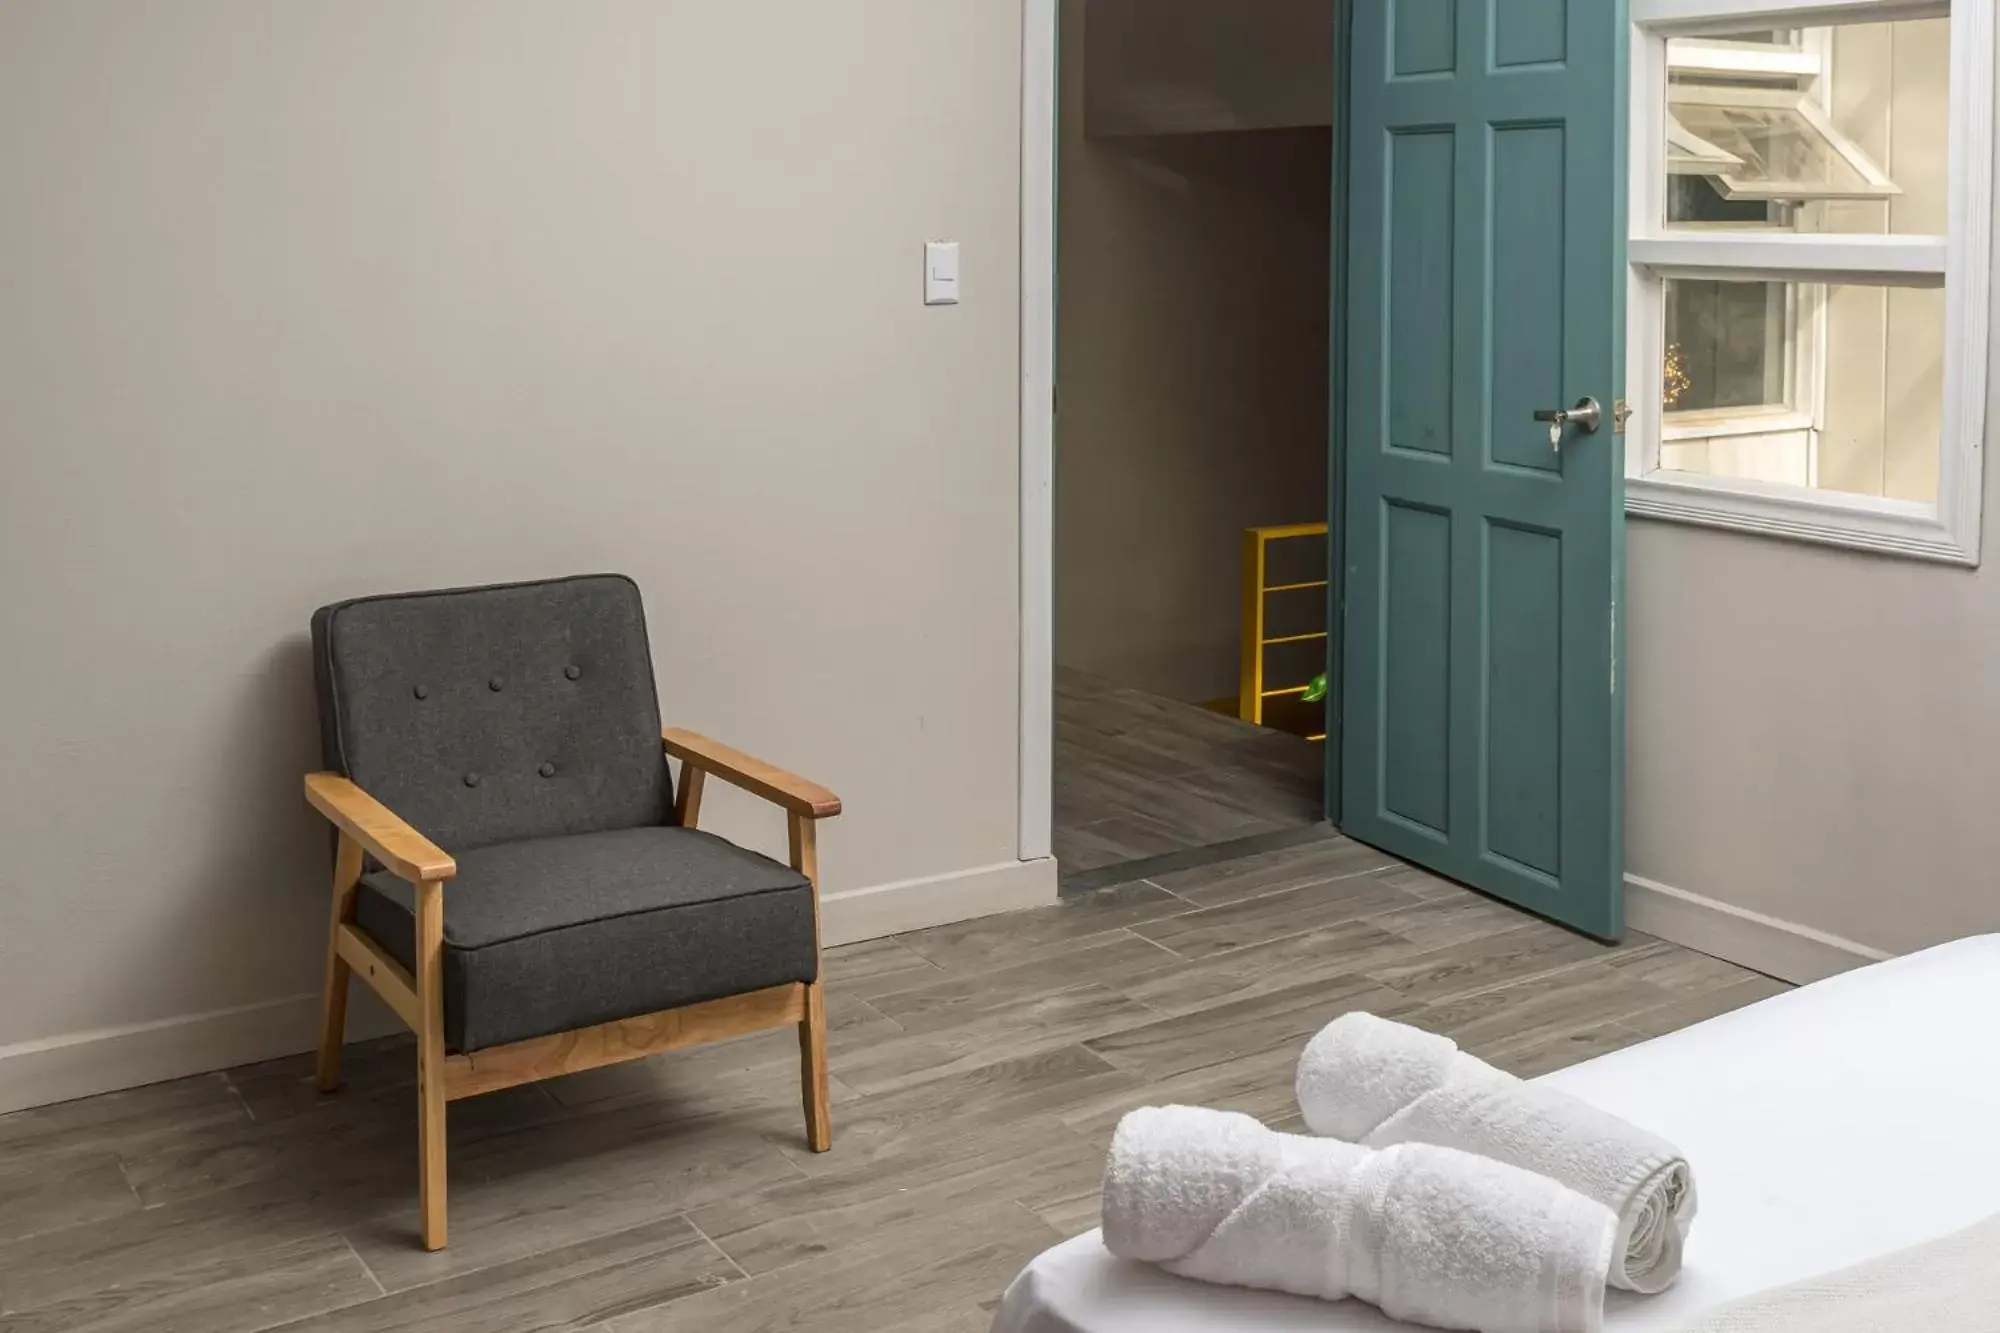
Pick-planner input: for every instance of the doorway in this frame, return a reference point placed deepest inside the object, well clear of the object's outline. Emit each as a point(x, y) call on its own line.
point(1191, 626)
point(1475, 649)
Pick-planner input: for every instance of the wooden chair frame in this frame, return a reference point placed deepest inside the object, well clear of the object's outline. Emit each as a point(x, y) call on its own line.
point(368, 828)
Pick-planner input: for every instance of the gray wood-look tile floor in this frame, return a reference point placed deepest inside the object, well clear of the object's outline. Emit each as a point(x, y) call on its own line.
point(1138, 776)
point(978, 1071)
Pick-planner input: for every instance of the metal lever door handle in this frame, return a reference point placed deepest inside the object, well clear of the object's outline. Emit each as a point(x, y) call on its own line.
point(1586, 416)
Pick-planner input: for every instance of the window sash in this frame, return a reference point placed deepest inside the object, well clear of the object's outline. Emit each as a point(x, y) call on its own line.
point(1875, 261)
point(1813, 125)
point(1743, 60)
point(1728, 423)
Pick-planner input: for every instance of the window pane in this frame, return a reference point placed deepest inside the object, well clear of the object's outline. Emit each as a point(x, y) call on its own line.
point(1828, 386)
point(1838, 129)
point(1781, 153)
point(1694, 201)
point(1726, 345)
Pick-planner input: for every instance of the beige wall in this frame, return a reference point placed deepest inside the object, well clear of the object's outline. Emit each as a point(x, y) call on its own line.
point(1193, 372)
point(302, 299)
point(1813, 733)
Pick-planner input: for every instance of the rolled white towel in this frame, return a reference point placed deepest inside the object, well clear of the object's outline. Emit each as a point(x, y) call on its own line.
point(1428, 1234)
point(1374, 1082)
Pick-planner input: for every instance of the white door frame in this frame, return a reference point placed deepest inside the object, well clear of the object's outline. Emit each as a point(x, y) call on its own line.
point(1039, 20)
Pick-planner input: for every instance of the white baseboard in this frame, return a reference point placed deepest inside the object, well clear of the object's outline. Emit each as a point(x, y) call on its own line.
point(81, 1064)
point(1782, 949)
point(917, 904)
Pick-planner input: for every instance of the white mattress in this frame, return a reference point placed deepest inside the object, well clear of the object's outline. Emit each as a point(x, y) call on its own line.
point(1827, 1125)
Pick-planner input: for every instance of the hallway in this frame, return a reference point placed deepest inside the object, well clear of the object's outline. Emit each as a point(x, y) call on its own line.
point(1138, 776)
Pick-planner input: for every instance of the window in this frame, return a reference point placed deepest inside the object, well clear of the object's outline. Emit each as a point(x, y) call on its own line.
point(1810, 218)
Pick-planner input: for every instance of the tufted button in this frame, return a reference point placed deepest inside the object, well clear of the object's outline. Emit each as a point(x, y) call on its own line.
point(548, 770)
point(496, 684)
point(572, 671)
point(422, 691)
point(472, 779)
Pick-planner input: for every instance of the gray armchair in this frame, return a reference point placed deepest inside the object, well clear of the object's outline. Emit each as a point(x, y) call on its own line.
point(588, 919)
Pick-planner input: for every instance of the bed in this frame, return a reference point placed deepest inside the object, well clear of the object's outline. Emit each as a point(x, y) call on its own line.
point(1826, 1126)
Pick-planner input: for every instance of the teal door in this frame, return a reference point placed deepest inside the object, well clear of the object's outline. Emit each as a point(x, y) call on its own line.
point(1483, 721)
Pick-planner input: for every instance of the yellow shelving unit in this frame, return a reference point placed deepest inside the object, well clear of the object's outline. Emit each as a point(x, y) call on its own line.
point(1254, 688)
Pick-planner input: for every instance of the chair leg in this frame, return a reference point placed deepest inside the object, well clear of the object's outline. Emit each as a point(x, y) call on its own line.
point(430, 1063)
point(812, 1028)
point(430, 1147)
point(812, 1070)
point(333, 1004)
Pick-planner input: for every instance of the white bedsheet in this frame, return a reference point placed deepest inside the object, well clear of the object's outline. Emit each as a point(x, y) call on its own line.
point(1826, 1126)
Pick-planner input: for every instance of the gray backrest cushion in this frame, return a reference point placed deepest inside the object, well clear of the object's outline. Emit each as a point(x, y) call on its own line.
point(486, 715)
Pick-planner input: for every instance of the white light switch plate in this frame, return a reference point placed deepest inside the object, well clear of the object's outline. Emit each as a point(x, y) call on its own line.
point(941, 273)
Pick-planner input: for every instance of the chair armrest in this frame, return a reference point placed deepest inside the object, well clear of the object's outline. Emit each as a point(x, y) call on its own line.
point(774, 784)
point(406, 852)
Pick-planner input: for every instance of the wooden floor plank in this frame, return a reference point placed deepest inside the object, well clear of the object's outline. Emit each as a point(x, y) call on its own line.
point(874, 966)
point(62, 1190)
point(1341, 949)
point(133, 1120)
point(1257, 1084)
point(155, 1255)
point(1540, 1008)
point(898, 1274)
point(257, 1288)
point(564, 1287)
point(1273, 916)
point(1689, 1010)
point(1024, 1025)
point(1472, 966)
point(1209, 1036)
point(1435, 923)
point(1273, 872)
point(573, 1181)
point(990, 942)
point(1681, 970)
point(1033, 1162)
point(915, 1118)
point(1565, 1049)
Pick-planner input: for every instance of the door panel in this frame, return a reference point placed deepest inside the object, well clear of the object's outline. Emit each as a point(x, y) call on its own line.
point(1416, 699)
point(1530, 32)
point(1523, 707)
point(1419, 252)
point(1526, 372)
point(1483, 728)
point(1425, 36)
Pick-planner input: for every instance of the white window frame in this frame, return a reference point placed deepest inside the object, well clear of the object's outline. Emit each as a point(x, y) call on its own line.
point(1947, 531)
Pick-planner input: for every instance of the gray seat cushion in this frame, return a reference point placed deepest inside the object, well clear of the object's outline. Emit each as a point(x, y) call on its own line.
point(560, 933)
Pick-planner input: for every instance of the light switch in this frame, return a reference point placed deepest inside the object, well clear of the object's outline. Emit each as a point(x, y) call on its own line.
point(941, 273)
